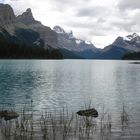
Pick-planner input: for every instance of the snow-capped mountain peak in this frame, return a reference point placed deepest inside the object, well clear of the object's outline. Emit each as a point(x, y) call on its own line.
point(134, 37)
point(59, 30)
point(66, 40)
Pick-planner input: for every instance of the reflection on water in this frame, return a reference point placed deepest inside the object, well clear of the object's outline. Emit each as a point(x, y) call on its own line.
point(54, 84)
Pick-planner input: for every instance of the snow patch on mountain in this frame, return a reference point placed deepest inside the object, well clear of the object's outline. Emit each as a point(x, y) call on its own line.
point(134, 37)
point(88, 42)
point(59, 30)
point(78, 41)
point(68, 41)
point(126, 38)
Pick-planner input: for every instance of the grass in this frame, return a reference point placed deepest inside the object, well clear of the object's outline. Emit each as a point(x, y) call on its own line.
point(59, 125)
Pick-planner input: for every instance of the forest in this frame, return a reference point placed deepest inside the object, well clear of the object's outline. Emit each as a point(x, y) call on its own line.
point(22, 46)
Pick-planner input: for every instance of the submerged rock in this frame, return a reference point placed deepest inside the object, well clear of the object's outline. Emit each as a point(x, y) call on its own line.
point(88, 113)
point(8, 115)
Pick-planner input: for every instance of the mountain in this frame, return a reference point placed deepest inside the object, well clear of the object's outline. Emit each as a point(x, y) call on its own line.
point(6, 14)
point(18, 40)
point(67, 41)
point(25, 33)
point(130, 42)
point(84, 49)
point(120, 47)
point(48, 35)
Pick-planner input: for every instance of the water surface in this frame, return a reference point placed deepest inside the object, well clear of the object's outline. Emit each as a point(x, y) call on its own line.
point(54, 84)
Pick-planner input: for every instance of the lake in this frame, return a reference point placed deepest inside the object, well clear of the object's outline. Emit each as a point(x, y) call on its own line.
point(53, 84)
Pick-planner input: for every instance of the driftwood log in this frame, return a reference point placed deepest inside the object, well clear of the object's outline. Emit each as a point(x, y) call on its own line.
point(8, 115)
point(88, 113)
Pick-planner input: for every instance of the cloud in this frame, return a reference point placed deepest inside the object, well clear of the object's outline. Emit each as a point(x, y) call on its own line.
point(129, 13)
point(129, 4)
point(93, 11)
point(1, 1)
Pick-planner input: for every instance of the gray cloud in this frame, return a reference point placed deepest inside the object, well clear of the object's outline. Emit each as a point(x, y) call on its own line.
point(122, 25)
point(129, 4)
point(63, 5)
point(128, 16)
point(93, 11)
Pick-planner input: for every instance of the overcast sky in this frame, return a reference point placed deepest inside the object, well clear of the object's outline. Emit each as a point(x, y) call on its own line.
point(99, 21)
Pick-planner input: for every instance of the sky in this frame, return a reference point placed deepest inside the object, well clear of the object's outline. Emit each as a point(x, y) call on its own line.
point(99, 21)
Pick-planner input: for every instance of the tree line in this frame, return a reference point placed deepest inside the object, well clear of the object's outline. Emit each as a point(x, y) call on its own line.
point(12, 48)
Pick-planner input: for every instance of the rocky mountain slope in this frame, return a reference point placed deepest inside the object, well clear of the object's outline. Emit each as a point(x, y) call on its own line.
point(24, 29)
point(66, 40)
point(7, 15)
point(18, 40)
point(84, 49)
point(120, 47)
point(48, 35)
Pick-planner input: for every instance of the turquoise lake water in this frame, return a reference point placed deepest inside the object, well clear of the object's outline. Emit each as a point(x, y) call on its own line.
point(53, 84)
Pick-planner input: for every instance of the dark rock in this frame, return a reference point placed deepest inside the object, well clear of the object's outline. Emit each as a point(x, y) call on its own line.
point(7, 15)
point(27, 17)
point(8, 115)
point(88, 113)
point(1, 114)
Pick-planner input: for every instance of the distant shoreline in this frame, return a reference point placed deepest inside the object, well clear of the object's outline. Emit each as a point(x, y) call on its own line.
point(135, 62)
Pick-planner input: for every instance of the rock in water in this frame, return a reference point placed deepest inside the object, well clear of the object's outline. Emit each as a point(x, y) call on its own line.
point(88, 113)
point(1, 114)
point(8, 115)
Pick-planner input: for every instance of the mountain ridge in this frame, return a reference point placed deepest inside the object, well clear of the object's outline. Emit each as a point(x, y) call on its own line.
point(19, 41)
point(66, 40)
point(116, 50)
point(59, 39)
point(48, 35)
